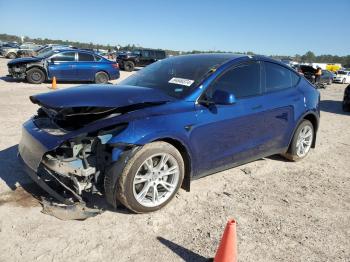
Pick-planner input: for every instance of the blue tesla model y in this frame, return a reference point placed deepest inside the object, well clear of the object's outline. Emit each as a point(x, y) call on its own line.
point(174, 121)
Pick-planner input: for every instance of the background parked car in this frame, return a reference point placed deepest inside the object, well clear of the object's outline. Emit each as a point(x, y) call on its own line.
point(9, 50)
point(28, 49)
point(327, 77)
point(144, 57)
point(346, 99)
point(342, 77)
point(309, 74)
point(65, 65)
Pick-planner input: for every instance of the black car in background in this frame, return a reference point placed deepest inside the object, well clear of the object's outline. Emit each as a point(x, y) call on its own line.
point(346, 99)
point(309, 73)
point(129, 60)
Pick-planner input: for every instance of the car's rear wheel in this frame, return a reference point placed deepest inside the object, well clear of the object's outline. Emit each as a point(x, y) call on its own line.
point(12, 55)
point(301, 142)
point(129, 66)
point(101, 78)
point(35, 76)
point(151, 178)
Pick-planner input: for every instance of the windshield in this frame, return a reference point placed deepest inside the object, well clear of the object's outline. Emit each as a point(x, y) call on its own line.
point(45, 54)
point(177, 76)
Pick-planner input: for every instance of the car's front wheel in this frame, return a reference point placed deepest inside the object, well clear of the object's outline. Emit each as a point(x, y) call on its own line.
point(301, 142)
point(35, 76)
point(151, 178)
point(343, 81)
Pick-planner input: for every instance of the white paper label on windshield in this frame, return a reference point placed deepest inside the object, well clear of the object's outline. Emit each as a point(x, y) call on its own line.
point(181, 81)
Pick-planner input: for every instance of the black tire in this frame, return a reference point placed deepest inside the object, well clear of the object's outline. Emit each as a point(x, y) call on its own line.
point(129, 66)
point(124, 184)
point(346, 107)
point(292, 150)
point(343, 81)
point(11, 55)
point(35, 76)
point(330, 81)
point(101, 78)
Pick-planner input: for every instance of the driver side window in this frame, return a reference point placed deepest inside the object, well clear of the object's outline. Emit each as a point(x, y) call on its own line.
point(242, 81)
point(64, 57)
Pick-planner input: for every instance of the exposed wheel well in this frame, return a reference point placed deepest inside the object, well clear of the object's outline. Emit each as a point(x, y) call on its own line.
point(312, 118)
point(38, 67)
point(187, 160)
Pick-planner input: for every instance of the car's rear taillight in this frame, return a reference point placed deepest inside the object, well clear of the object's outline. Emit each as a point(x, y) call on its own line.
point(115, 65)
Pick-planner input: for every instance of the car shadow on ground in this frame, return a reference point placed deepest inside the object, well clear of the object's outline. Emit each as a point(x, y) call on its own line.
point(184, 253)
point(332, 106)
point(11, 79)
point(13, 175)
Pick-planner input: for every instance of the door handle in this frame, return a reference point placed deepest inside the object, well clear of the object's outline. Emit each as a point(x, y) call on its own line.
point(257, 107)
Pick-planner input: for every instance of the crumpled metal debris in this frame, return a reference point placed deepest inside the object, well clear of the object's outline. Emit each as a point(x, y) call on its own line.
point(77, 211)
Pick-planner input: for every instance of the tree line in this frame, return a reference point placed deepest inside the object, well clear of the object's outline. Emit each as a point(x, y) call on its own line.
point(308, 57)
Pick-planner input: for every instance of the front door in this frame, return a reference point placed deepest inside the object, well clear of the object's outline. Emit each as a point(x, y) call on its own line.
point(226, 135)
point(63, 66)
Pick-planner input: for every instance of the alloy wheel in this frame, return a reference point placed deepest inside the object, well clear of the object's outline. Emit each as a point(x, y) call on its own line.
point(304, 141)
point(156, 180)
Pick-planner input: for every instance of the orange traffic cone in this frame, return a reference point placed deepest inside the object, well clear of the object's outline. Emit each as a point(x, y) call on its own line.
point(227, 251)
point(54, 84)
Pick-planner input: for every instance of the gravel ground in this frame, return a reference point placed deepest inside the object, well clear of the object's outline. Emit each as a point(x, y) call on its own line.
point(285, 211)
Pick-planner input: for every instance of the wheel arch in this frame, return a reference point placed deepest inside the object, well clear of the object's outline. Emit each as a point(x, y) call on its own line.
point(314, 119)
point(103, 71)
point(38, 67)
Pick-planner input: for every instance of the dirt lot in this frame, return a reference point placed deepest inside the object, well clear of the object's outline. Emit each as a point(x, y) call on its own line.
point(285, 211)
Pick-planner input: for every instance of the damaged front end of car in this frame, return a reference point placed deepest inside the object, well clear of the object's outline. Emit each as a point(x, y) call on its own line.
point(17, 68)
point(80, 133)
point(77, 166)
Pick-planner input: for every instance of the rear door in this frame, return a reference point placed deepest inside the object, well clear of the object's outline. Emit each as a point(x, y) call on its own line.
point(86, 66)
point(63, 66)
point(281, 98)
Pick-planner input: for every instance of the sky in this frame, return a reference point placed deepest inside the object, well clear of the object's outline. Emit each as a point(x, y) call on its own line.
point(268, 27)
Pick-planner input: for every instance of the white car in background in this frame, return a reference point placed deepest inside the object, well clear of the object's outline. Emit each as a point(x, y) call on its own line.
point(342, 77)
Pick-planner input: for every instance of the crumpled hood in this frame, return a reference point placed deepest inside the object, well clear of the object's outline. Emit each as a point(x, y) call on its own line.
point(24, 60)
point(100, 96)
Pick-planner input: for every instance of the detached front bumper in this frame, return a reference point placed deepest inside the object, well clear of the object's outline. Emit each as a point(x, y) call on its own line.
point(31, 152)
point(41, 181)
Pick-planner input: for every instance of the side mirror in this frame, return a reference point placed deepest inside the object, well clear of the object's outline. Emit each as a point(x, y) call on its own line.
point(221, 97)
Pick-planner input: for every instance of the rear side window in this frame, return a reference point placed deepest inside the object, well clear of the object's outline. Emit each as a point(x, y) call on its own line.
point(98, 58)
point(160, 55)
point(64, 57)
point(242, 81)
point(85, 57)
point(152, 53)
point(145, 53)
point(278, 77)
